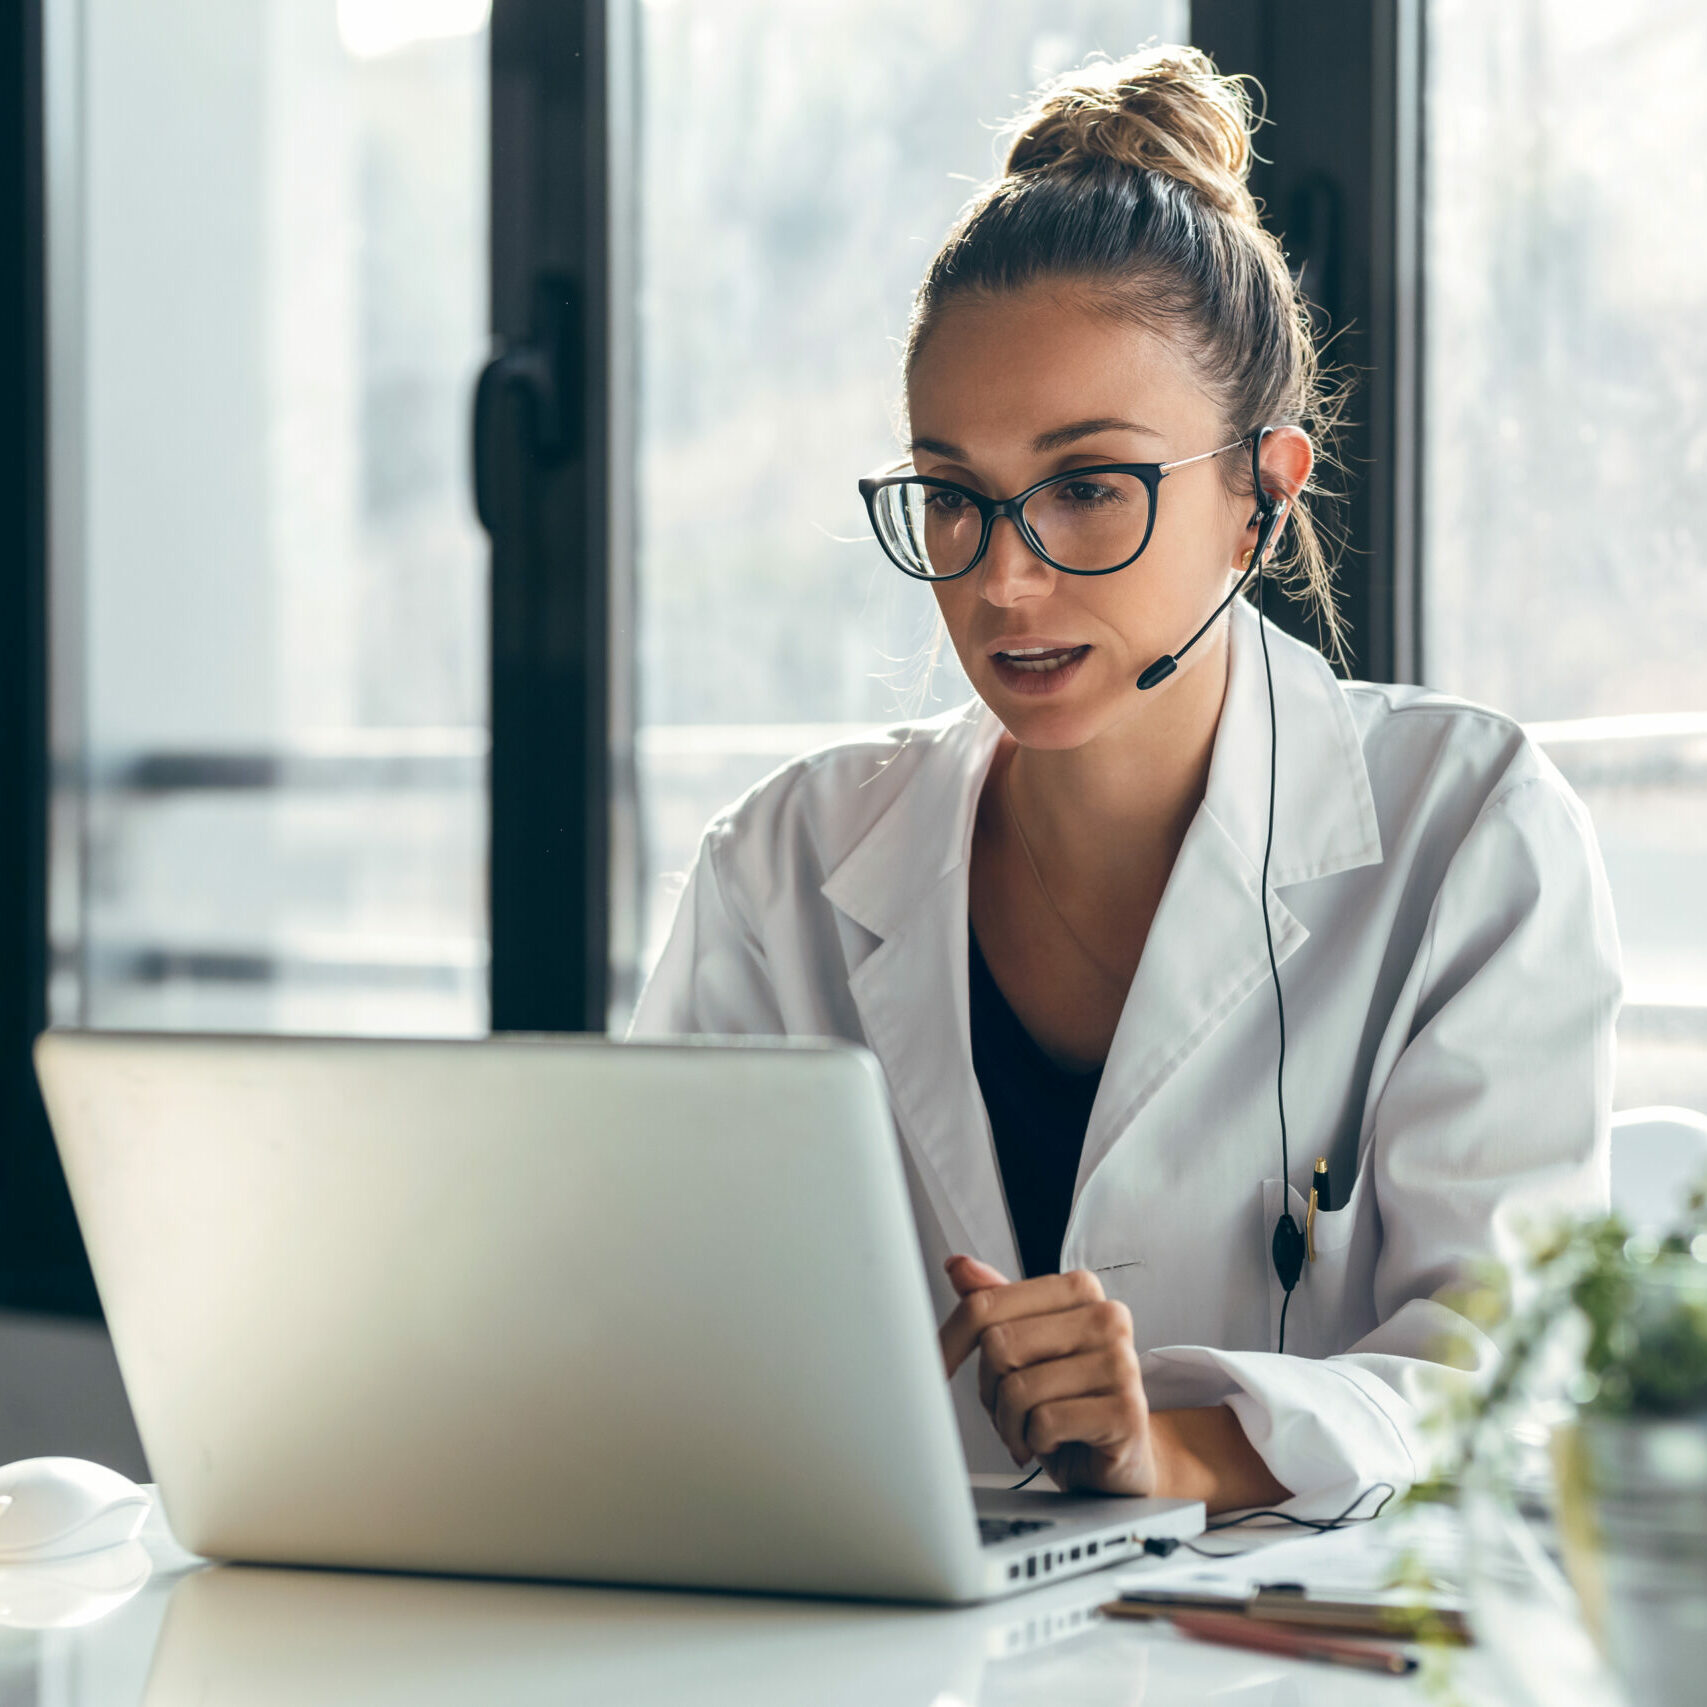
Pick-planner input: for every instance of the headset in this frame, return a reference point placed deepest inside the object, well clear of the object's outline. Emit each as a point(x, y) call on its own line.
point(1287, 1244)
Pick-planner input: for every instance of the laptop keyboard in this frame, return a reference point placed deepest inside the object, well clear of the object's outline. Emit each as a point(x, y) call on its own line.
point(994, 1529)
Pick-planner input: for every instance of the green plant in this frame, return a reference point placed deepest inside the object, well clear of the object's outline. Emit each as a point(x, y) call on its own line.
point(1637, 1304)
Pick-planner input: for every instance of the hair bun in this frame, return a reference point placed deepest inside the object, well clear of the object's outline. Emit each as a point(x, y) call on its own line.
point(1162, 109)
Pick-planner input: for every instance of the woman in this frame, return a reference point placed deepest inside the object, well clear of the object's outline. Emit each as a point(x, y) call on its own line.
point(1041, 911)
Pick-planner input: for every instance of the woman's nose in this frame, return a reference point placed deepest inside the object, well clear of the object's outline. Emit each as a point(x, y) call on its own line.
point(1011, 570)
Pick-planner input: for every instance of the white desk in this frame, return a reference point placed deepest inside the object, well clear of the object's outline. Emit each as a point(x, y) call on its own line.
point(246, 1637)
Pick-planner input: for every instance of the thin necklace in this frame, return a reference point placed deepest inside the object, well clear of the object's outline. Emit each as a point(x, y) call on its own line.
point(1114, 978)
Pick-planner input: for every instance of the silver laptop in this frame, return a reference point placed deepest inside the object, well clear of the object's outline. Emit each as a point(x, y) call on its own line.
point(530, 1307)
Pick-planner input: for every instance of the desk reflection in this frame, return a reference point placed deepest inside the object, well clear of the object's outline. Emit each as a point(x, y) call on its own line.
point(62, 1594)
point(241, 1636)
point(247, 1636)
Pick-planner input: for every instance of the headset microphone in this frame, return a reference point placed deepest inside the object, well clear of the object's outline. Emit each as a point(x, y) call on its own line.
point(1287, 1247)
point(1271, 512)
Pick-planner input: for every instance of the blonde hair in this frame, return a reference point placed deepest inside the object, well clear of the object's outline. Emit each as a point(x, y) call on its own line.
point(1130, 178)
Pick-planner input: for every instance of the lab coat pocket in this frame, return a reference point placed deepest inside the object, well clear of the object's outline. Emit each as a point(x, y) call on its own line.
point(1334, 1227)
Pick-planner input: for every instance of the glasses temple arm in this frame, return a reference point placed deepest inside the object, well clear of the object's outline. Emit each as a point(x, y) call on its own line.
point(1202, 456)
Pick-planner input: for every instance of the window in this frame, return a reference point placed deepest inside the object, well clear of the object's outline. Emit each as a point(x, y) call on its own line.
point(799, 166)
point(1566, 451)
point(269, 300)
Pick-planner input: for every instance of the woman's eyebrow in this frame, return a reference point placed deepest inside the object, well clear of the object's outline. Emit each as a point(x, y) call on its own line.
point(937, 447)
point(1059, 437)
point(1055, 439)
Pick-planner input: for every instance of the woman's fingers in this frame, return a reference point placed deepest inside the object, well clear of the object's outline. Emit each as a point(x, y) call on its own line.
point(1007, 1346)
point(992, 1305)
point(1107, 1370)
point(968, 1274)
point(1113, 1424)
point(1057, 1371)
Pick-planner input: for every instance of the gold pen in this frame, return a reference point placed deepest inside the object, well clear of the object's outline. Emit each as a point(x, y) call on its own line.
point(1319, 1189)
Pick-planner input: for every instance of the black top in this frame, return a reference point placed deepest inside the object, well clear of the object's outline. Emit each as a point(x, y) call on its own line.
point(1038, 1114)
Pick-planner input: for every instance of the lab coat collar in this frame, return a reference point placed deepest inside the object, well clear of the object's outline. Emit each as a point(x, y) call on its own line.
point(1324, 817)
point(905, 881)
point(925, 834)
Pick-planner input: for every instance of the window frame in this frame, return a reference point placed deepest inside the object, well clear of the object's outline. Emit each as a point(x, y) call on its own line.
point(1342, 186)
point(553, 456)
point(42, 1265)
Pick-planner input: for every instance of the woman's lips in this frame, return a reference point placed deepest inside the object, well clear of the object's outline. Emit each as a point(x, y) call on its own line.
point(1038, 670)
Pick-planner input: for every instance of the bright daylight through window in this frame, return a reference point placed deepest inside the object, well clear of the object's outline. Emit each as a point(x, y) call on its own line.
point(1566, 413)
point(270, 807)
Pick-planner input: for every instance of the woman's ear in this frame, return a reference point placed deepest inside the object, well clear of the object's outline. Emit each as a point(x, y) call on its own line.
point(1286, 460)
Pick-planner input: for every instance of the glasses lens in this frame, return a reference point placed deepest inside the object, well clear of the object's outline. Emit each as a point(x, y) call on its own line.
point(930, 530)
point(1091, 521)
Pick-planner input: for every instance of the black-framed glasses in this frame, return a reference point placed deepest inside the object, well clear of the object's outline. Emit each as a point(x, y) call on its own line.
point(1088, 521)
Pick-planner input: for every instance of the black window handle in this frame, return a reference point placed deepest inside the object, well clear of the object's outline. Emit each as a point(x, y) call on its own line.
point(527, 403)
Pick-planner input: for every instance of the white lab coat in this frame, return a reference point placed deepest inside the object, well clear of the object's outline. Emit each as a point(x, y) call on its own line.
point(1451, 972)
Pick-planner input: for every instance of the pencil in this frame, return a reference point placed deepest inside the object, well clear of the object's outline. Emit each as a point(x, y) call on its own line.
point(1238, 1632)
point(1395, 1621)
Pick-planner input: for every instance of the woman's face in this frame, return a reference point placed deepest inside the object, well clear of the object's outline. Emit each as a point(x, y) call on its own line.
point(1007, 391)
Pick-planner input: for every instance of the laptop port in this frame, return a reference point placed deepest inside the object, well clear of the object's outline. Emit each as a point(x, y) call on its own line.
point(1048, 1562)
point(1013, 1572)
point(1031, 1566)
point(1091, 1549)
point(1074, 1554)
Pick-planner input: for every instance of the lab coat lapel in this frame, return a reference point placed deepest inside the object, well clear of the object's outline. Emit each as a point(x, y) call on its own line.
point(906, 882)
point(1206, 953)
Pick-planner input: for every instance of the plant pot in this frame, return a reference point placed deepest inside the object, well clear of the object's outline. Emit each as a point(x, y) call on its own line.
point(1528, 1623)
point(1644, 1485)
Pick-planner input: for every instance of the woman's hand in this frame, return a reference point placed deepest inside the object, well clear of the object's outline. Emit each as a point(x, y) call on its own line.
point(1058, 1373)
